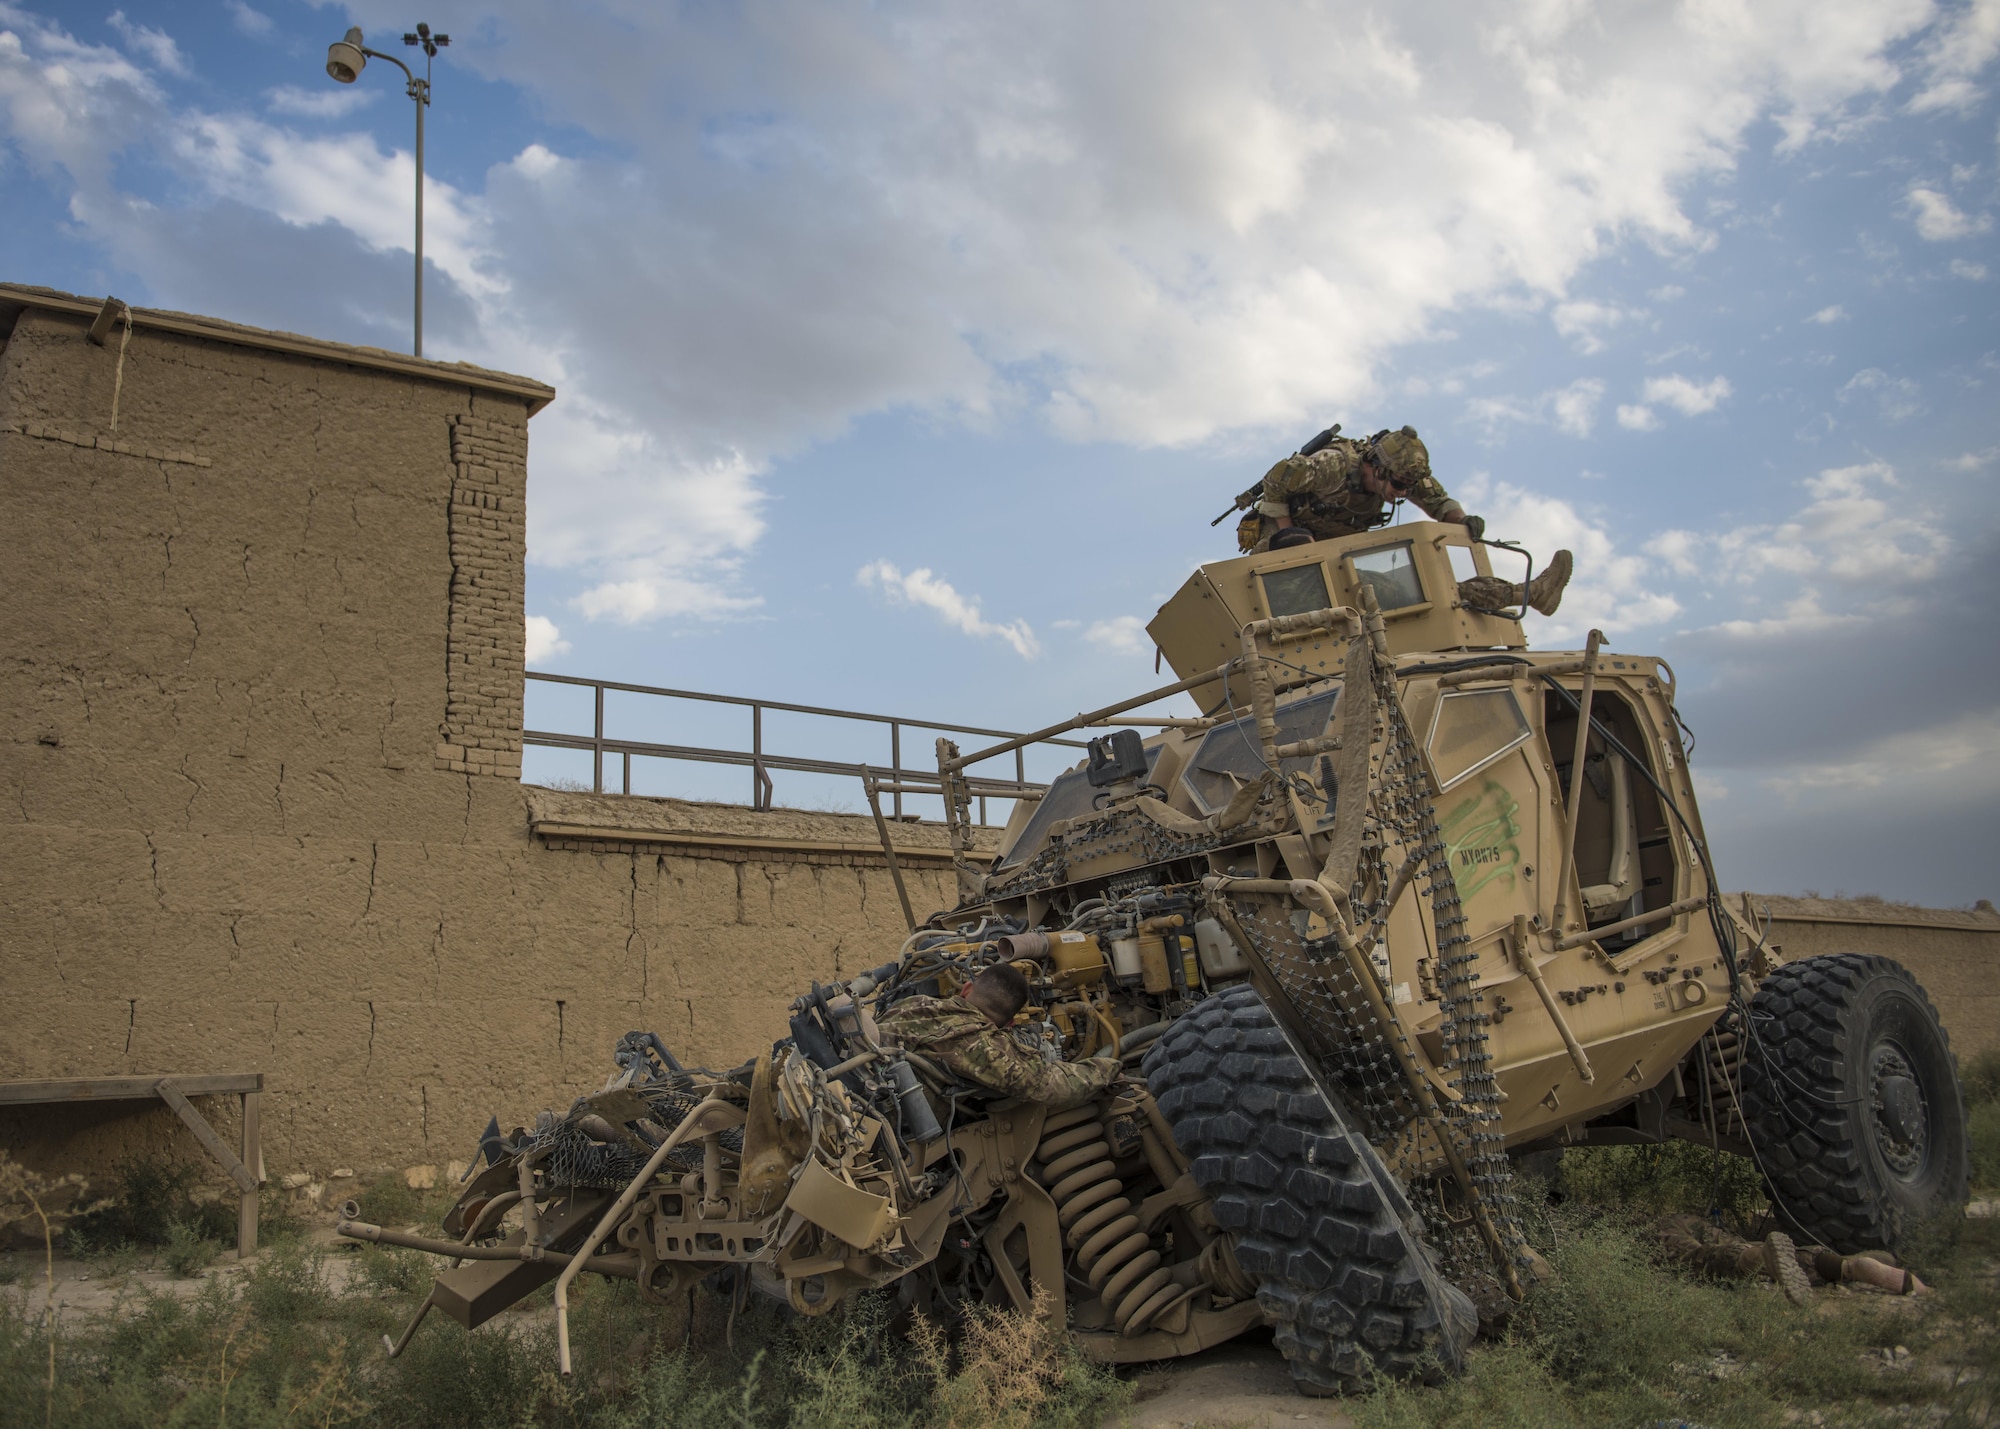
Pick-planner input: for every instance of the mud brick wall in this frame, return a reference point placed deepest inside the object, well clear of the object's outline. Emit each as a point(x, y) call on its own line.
point(484, 655)
point(234, 633)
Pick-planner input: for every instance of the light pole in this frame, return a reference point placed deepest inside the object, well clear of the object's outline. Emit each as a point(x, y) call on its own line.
point(345, 59)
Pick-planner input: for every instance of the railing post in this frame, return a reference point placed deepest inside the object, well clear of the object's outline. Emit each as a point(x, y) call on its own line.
point(628, 771)
point(757, 757)
point(597, 745)
point(896, 762)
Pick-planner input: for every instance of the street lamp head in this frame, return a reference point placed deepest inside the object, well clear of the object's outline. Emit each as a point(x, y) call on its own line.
point(345, 59)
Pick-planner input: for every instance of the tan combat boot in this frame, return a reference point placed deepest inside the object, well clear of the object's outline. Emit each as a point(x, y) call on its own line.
point(1781, 1263)
point(1544, 593)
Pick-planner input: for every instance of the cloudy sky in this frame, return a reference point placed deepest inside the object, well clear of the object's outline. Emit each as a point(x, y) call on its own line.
point(905, 351)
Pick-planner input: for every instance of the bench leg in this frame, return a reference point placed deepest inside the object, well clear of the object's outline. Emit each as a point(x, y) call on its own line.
point(253, 1158)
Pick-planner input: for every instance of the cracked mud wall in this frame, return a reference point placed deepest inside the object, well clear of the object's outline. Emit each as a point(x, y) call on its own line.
point(226, 843)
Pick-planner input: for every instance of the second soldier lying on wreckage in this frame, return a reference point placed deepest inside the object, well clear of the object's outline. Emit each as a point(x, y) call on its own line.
point(1338, 486)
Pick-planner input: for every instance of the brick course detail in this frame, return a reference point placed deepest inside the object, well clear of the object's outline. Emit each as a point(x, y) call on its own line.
point(485, 657)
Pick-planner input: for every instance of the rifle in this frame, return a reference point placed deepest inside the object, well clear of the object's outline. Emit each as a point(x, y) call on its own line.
point(1256, 493)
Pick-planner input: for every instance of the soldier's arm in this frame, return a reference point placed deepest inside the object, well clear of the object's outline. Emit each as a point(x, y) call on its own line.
point(996, 1060)
point(1429, 497)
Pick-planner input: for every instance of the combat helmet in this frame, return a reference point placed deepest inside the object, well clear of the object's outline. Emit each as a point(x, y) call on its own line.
point(1402, 455)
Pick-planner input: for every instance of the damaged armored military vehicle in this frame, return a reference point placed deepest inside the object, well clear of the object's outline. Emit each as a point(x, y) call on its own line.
point(1409, 900)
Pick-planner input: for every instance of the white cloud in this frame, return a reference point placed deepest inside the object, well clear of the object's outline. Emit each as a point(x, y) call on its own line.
point(1671, 292)
point(1850, 533)
point(1583, 322)
point(1974, 272)
point(1954, 53)
point(921, 587)
point(254, 23)
point(1833, 314)
point(1637, 418)
point(771, 229)
point(1571, 410)
point(1951, 763)
point(544, 639)
point(1971, 461)
point(1940, 220)
point(327, 103)
point(1688, 397)
point(155, 45)
point(1121, 634)
point(1897, 398)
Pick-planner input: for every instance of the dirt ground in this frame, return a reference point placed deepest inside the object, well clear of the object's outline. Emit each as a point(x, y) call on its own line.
point(1243, 1384)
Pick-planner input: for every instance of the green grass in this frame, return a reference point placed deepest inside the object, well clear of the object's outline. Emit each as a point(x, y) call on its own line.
point(276, 1346)
point(1615, 1339)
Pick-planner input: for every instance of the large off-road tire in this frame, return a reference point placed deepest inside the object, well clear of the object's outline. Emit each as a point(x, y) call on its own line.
point(1321, 1225)
point(1852, 1101)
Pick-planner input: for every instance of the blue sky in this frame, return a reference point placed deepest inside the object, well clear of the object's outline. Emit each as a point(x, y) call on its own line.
point(1017, 297)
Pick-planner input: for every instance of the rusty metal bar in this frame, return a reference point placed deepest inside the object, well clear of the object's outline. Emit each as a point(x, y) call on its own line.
point(762, 796)
point(896, 761)
point(1582, 750)
point(597, 749)
point(1657, 915)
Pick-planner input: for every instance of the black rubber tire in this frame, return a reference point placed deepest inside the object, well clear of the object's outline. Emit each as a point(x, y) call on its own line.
point(1851, 1159)
point(1321, 1225)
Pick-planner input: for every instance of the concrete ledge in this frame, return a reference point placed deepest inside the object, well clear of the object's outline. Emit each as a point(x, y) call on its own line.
point(620, 823)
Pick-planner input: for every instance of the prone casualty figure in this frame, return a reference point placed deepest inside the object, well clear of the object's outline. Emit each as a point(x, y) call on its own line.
point(1338, 486)
point(1714, 1251)
point(967, 1035)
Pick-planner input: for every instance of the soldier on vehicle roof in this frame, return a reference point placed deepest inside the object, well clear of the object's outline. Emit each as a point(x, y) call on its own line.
point(967, 1035)
point(1337, 486)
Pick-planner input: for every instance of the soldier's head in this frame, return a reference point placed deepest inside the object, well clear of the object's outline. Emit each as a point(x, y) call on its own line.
point(1393, 462)
point(999, 991)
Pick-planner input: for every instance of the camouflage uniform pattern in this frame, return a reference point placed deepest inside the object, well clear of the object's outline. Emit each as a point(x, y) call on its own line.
point(959, 1037)
point(1327, 498)
point(1714, 1251)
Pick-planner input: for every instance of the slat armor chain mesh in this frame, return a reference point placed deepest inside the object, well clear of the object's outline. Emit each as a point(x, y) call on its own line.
point(574, 1159)
point(1353, 1049)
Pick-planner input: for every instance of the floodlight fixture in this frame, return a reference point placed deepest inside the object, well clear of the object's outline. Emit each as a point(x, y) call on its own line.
point(345, 59)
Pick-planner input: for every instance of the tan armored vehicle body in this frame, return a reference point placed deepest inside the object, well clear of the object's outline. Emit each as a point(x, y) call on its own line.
point(1378, 919)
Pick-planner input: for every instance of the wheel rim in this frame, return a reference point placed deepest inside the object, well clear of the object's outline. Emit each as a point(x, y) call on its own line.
point(1898, 1114)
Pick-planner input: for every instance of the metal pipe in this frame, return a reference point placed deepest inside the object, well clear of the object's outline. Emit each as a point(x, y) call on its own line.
point(1524, 958)
point(380, 1235)
point(869, 786)
point(1591, 935)
point(1020, 741)
point(1498, 669)
point(531, 1219)
point(1576, 775)
point(689, 1123)
point(423, 98)
point(859, 1059)
point(831, 713)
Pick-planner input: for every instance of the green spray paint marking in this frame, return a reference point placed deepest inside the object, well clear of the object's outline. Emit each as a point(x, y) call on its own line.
point(1479, 839)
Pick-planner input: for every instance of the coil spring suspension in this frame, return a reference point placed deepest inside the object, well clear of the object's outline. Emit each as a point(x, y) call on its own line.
point(1113, 1254)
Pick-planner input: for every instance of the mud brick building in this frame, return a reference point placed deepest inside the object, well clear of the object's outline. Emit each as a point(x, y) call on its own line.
point(260, 755)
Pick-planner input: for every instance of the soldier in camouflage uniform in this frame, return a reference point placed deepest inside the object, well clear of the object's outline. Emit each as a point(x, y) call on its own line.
point(1714, 1251)
point(967, 1036)
point(1341, 487)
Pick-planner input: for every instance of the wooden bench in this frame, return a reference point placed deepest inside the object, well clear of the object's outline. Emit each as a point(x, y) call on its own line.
point(247, 1172)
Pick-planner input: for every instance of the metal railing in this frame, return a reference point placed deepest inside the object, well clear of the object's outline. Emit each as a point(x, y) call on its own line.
point(895, 779)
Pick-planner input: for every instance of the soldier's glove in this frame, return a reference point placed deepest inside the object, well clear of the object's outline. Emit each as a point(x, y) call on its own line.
point(1476, 525)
